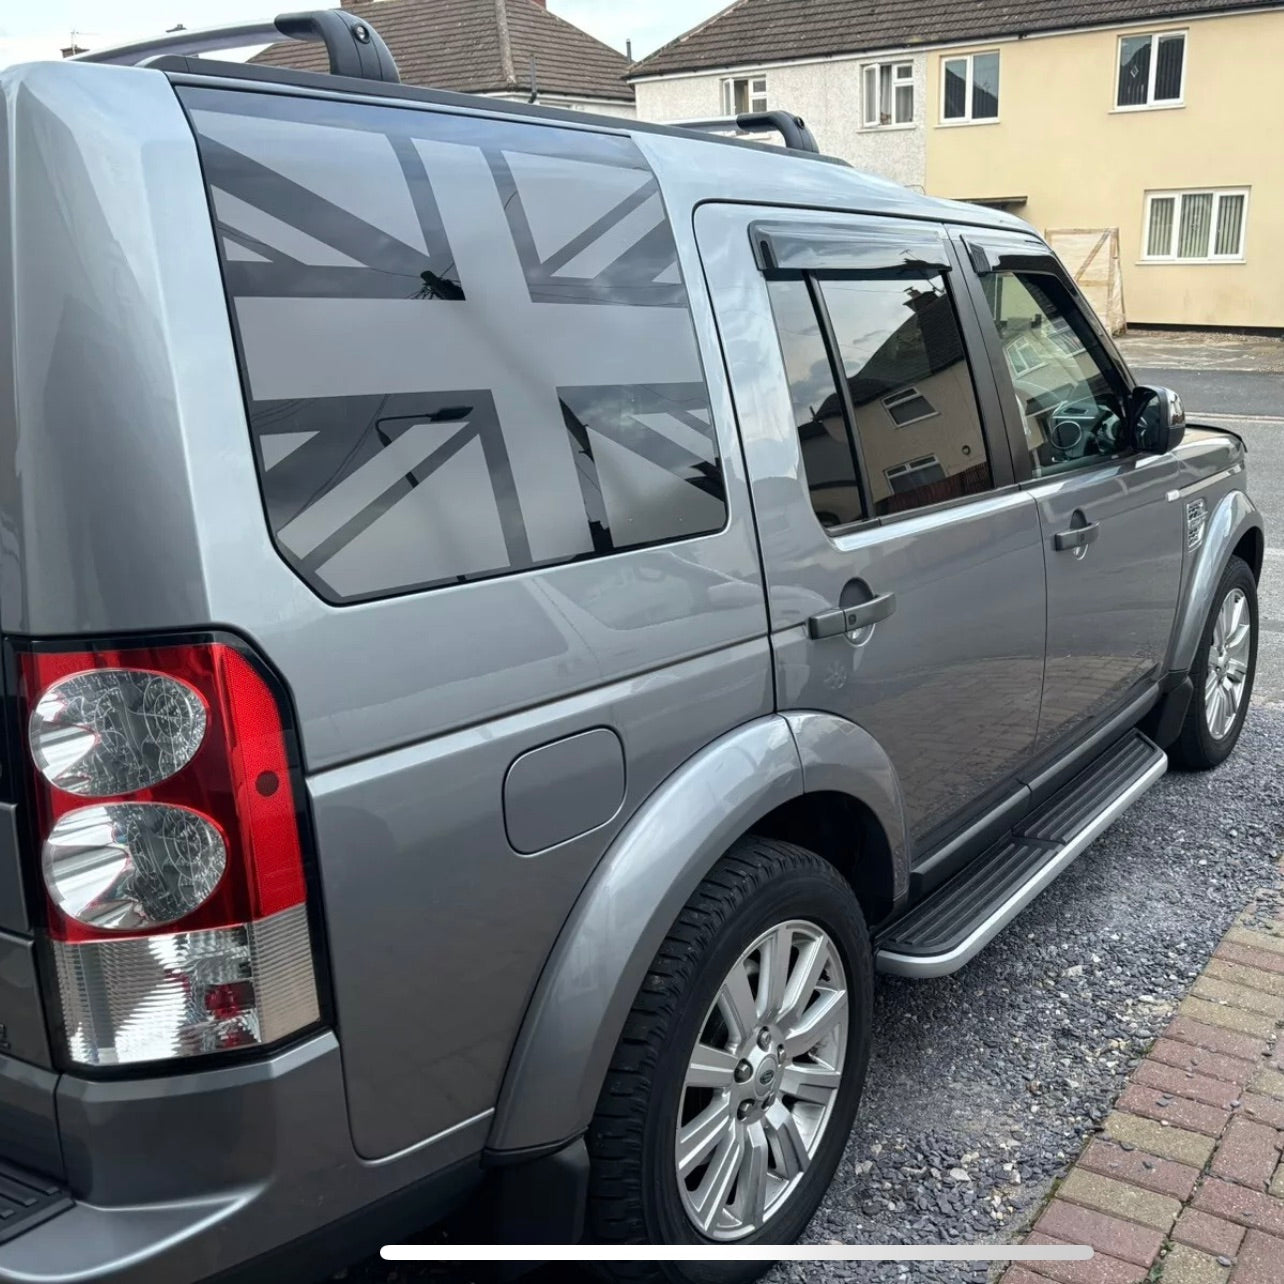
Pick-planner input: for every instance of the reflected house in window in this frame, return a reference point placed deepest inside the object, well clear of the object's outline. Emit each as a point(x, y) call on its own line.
point(915, 413)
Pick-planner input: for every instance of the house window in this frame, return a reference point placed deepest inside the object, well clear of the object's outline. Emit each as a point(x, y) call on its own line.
point(1196, 227)
point(744, 94)
point(889, 94)
point(908, 406)
point(970, 89)
point(1152, 70)
point(1023, 355)
point(906, 478)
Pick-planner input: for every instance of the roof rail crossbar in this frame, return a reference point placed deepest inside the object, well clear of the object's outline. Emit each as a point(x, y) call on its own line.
point(354, 47)
point(793, 129)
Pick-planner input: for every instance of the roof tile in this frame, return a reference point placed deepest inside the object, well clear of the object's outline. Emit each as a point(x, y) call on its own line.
point(479, 46)
point(760, 31)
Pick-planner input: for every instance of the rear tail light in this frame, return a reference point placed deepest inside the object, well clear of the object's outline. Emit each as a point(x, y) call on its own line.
point(171, 852)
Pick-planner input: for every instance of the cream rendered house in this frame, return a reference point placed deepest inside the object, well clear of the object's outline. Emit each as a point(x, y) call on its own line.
point(1148, 129)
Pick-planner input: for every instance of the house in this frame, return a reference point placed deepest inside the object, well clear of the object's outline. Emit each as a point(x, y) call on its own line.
point(1137, 134)
point(501, 48)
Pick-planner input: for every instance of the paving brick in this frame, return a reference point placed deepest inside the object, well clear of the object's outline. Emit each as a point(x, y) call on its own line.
point(1119, 1199)
point(1110, 1235)
point(1101, 1268)
point(1140, 1169)
point(1252, 1208)
point(1249, 977)
point(1170, 1143)
point(1019, 1275)
point(1238, 996)
point(1248, 1154)
point(1250, 957)
point(1182, 1083)
point(1277, 1182)
point(1268, 1082)
point(1199, 1061)
point(1261, 1109)
point(1211, 1234)
point(1185, 1265)
point(1252, 978)
point(1256, 940)
point(1216, 1038)
point(1261, 1260)
point(1180, 1111)
point(1254, 1023)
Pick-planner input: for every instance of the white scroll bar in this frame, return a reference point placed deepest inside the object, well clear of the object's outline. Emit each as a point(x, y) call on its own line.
point(736, 1253)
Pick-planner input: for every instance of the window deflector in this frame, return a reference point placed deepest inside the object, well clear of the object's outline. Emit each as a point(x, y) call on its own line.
point(885, 253)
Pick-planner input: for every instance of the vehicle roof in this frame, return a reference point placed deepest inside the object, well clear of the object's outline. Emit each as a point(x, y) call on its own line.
point(724, 167)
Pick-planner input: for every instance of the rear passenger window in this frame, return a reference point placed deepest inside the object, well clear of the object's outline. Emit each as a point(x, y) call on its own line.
point(465, 344)
point(903, 429)
point(918, 428)
point(828, 459)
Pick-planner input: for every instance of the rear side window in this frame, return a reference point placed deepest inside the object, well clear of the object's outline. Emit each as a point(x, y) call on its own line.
point(465, 344)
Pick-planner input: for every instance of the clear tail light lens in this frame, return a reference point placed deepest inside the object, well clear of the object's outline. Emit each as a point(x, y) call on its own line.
point(112, 731)
point(185, 994)
point(177, 902)
point(124, 866)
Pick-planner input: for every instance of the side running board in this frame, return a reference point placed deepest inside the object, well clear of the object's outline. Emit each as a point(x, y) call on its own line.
point(954, 923)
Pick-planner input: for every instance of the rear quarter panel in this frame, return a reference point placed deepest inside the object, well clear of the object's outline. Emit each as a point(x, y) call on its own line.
point(136, 506)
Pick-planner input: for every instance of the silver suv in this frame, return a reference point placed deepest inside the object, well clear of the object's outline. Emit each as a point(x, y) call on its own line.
point(511, 618)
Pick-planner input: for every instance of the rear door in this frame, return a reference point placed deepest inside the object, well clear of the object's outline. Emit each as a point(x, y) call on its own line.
point(1112, 541)
point(903, 565)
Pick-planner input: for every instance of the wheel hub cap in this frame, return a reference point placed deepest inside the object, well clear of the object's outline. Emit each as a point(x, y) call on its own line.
point(1229, 654)
point(761, 1081)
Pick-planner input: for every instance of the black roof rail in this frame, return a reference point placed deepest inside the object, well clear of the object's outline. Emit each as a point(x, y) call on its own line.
point(355, 48)
point(793, 129)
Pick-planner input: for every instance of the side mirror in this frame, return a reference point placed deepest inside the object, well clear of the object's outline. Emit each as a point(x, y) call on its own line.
point(1158, 420)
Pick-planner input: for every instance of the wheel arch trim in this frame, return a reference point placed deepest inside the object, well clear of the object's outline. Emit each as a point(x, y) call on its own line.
point(1234, 516)
point(564, 1047)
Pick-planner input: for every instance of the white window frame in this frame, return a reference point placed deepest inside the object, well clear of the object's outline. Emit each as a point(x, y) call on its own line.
point(1021, 351)
point(1177, 196)
point(921, 464)
point(900, 398)
point(902, 75)
point(967, 118)
point(757, 100)
point(1154, 37)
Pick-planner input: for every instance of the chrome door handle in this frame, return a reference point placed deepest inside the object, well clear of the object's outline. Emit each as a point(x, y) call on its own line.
point(851, 619)
point(1079, 537)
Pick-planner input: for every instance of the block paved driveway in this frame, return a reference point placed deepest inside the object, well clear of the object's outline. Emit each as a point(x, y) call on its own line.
point(986, 1086)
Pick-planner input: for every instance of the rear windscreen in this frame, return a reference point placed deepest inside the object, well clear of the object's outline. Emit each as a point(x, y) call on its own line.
point(465, 343)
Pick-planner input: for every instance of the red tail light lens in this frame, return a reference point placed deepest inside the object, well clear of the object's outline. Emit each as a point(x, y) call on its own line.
point(171, 850)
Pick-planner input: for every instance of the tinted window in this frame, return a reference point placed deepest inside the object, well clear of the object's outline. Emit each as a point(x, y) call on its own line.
point(1070, 396)
point(466, 344)
point(828, 461)
point(917, 422)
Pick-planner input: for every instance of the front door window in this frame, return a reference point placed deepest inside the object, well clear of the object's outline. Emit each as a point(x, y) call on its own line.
point(1071, 399)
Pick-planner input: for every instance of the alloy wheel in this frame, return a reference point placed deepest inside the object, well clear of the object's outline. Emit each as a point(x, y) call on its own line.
point(1228, 658)
point(761, 1081)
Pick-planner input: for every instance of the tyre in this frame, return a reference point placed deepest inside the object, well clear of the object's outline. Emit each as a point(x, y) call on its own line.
point(736, 1079)
point(1222, 674)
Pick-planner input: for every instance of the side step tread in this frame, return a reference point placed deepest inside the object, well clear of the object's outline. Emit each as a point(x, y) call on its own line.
point(962, 916)
point(26, 1199)
point(1090, 791)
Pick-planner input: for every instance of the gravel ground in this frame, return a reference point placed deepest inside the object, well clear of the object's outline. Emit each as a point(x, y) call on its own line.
point(984, 1085)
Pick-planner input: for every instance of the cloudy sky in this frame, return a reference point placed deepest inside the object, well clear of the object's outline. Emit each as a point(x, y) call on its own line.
point(38, 30)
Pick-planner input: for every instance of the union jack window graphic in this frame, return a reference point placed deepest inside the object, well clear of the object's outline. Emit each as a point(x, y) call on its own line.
point(466, 343)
